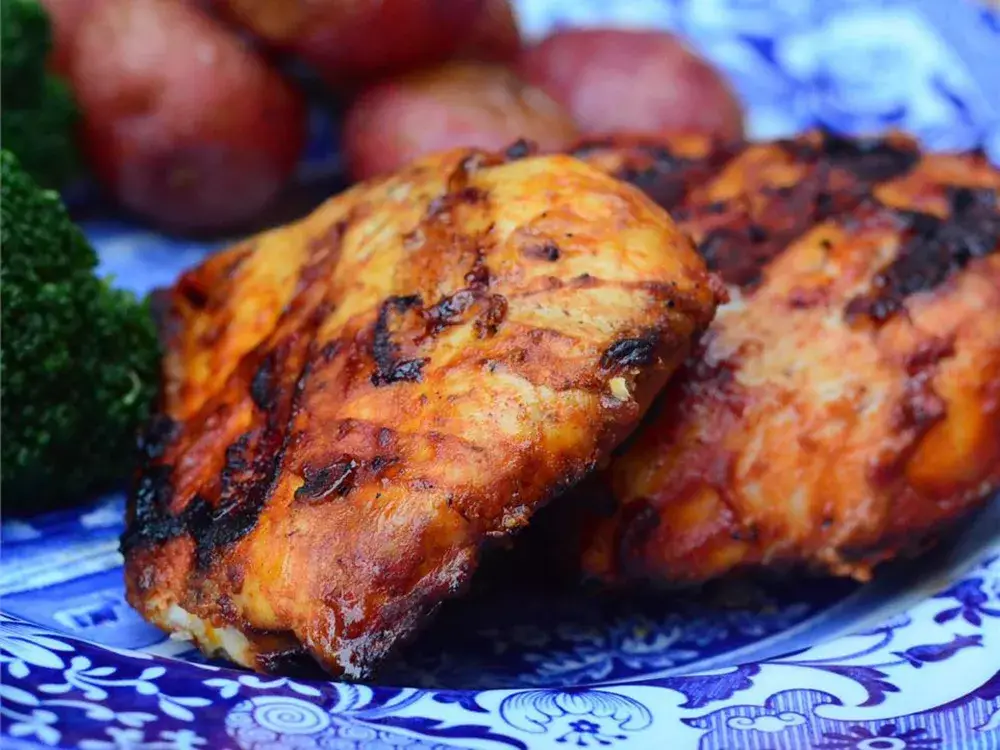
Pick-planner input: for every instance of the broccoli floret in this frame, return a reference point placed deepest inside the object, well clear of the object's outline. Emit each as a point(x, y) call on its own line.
point(37, 112)
point(38, 134)
point(79, 358)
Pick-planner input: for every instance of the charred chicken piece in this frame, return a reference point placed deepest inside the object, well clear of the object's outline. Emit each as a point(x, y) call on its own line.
point(667, 168)
point(355, 404)
point(845, 404)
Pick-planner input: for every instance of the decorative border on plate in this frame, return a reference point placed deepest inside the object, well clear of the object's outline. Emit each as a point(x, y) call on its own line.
point(929, 678)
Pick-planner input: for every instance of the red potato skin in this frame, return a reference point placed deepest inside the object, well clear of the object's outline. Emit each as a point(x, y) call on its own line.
point(457, 104)
point(182, 122)
point(65, 17)
point(633, 81)
point(495, 36)
point(347, 40)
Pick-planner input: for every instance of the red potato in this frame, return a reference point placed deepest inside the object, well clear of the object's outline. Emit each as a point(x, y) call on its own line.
point(457, 104)
point(636, 81)
point(182, 122)
point(65, 17)
point(495, 36)
point(345, 40)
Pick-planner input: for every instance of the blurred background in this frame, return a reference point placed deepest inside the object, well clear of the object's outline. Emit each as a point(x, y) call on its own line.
point(174, 125)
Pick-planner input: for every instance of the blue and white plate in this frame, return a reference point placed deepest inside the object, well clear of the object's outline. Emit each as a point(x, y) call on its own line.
point(910, 661)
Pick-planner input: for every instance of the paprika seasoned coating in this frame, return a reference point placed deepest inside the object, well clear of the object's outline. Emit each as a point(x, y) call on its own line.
point(667, 168)
point(845, 404)
point(355, 404)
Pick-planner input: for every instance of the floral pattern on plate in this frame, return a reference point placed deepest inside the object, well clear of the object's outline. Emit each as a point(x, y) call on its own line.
point(912, 661)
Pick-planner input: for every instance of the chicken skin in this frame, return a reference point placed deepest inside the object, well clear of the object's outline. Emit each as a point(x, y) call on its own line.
point(845, 404)
point(666, 168)
point(356, 404)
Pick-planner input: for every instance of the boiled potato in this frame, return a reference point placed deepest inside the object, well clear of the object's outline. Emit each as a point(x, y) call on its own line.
point(346, 40)
point(182, 122)
point(495, 36)
point(65, 17)
point(457, 104)
point(634, 81)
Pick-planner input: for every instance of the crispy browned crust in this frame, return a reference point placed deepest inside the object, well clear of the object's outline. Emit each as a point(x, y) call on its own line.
point(667, 168)
point(354, 404)
point(846, 403)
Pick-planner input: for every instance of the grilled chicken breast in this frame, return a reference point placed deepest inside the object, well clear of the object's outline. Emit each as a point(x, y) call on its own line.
point(356, 403)
point(845, 404)
point(667, 169)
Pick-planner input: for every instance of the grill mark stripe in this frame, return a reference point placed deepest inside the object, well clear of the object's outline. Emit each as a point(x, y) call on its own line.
point(232, 521)
point(656, 169)
point(931, 251)
point(389, 366)
point(730, 251)
point(741, 250)
point(215, 526)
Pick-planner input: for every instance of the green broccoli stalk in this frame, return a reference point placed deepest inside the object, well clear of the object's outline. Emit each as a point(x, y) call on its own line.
point(37, 112)
point(78, 358)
